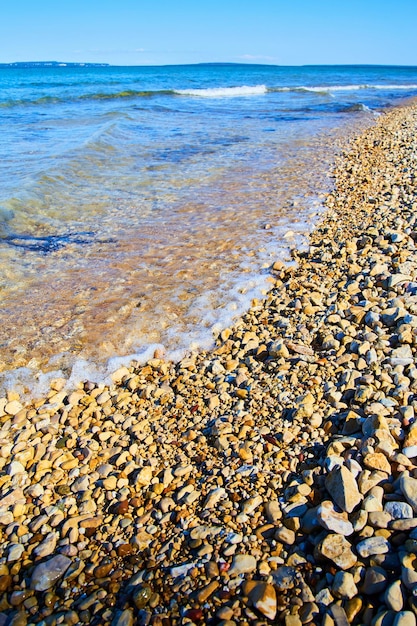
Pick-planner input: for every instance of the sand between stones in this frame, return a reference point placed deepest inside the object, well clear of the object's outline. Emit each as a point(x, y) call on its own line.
point(273, 480)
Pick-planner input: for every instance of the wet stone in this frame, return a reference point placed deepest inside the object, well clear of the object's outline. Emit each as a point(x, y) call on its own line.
point(48, 573)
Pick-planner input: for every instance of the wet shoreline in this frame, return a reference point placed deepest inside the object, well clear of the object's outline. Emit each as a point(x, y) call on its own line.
point(271, 479)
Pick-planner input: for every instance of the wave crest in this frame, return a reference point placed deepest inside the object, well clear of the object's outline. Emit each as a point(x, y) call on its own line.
point(221, 92)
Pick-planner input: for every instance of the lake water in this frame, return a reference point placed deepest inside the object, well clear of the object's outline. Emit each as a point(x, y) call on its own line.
point(142, 206)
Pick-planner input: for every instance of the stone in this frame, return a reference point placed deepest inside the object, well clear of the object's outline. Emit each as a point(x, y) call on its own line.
point(376, 579)
point(338, 550)
point(393, 596)
point(144, 477)
point(379, 519)
point(250, 505)
point(273, 511)
point(285, 535)
point(15, 468)
point(13, 407)
point(46, 574)
point(15, 552)
point(408, 488)
point(377, 461)
point(284, 577)
point(343, 489)
point(344, 586)
point(331, 520)
point(405, 618)
point(242, 564)
point(398, 510)
point(264, 598)
point(47, 546)
point(214, 497)
point(373, 545)
point(125, 618)
point(278, 349)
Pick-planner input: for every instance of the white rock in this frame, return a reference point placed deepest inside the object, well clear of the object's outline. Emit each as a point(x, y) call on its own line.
point(373, 545)
point(214, 497)
point(242, 564)
point(331, 520)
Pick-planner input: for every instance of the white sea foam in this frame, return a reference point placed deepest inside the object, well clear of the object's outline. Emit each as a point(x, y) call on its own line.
point(330, 88)
point(223, 92)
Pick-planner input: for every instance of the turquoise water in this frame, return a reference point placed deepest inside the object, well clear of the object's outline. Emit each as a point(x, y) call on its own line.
point(141, 206)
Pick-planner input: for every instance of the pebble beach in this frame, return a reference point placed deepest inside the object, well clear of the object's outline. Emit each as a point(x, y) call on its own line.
point(272, 480)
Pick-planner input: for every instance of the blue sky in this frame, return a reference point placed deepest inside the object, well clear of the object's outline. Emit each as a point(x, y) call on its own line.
point(157, 32)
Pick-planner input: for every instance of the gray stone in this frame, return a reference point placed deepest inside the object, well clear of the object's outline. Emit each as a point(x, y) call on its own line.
point(46, 574)
point(284, 577)
point(393, 596)
point(373, 545)
point(375, 581)
point(344, 585)
point(399, 510)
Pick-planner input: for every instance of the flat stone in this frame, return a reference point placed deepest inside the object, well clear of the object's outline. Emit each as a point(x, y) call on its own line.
point(263, 596)
point(331, 520)
point(214, 497)
point(13, 407)
point(46, 574)
point(284, 577)
point(373, 545)
point(337, 549)
point(398, 510)
point(403, 524)
point(250, 505)
point(243, 564)
point(379, 519)
point(15, 552)
point(377, 461)
point(343, 489)
point(15, 468)
point(47, 546)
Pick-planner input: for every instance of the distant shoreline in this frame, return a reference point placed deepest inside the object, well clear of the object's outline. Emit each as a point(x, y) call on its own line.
point(56, 64)
point(37, 64)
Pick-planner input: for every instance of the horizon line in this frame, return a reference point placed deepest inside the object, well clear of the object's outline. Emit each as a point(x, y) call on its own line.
point(106, 64)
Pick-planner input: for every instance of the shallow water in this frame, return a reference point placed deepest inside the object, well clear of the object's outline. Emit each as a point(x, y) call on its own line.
point(143, 206)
